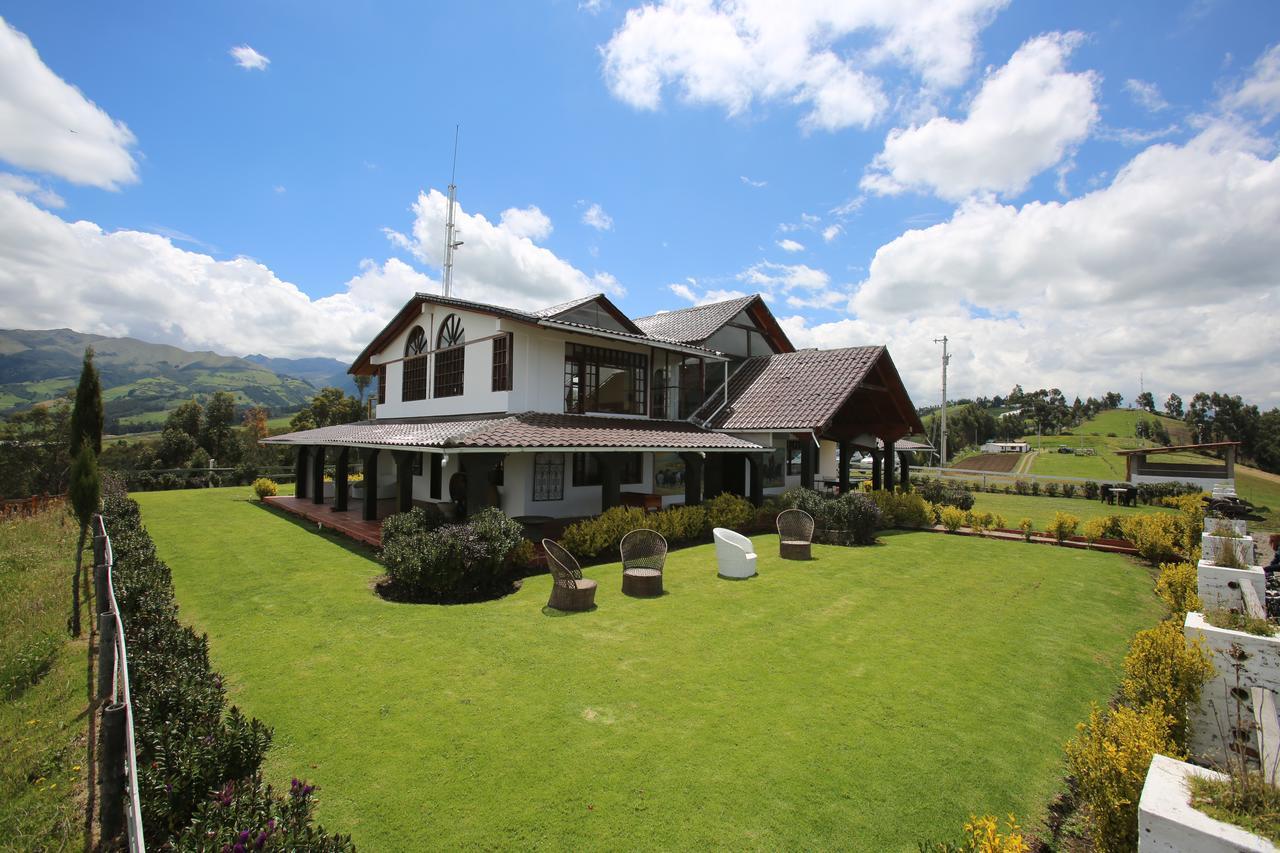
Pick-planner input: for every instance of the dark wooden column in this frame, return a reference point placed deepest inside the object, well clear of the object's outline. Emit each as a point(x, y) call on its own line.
point(340, 480)
point(436, 461)
point(877, 482)
point(317, 475)
point(843, 452)
point(806, 462)
point(692, 478)
point(755, 475)
point(479, 468)
point(713, 475)
point(610, 481)
point(404, 479)
point(300, 472)
point(888, 466)
point(904, 458)
point(369, 463)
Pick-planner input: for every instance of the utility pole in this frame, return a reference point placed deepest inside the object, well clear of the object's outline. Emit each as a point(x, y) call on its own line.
point(942, 461)
point(450, 243)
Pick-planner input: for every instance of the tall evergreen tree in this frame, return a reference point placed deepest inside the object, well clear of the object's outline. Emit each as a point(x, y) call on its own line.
point(86, 416)
point(85, 488)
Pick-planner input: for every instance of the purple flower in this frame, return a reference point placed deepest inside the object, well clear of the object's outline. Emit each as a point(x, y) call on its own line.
point(261, 840)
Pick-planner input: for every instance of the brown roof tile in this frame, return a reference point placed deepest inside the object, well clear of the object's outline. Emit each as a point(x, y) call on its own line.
point(693, 324)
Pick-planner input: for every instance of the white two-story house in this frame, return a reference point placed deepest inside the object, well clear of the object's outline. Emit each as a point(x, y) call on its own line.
point(566, 411)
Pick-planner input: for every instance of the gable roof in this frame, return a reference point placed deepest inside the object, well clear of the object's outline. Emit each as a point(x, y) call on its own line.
point(696, 324)
point(557, 311)
point(762, 392)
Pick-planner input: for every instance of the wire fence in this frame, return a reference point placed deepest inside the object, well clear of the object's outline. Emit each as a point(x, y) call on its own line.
point(119, 807)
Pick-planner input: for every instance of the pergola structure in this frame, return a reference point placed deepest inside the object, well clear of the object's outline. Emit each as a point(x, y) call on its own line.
point(1138, 469)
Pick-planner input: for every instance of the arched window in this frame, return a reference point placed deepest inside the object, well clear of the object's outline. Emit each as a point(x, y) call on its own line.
point(414, 386)
point(450, 357)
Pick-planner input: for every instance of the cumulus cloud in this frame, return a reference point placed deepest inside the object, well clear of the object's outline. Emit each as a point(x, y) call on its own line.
point(528, 222)
point(706, 297)
point(26, 187)
point(831, 232)
point(497, 264)
point(789, 245)
point(248, 58)
point(1260, 92)
point(595, 216)
point(49, 126)
point(1023, 120)
point(1146, 95)
point(734, 54)
point(784, 277)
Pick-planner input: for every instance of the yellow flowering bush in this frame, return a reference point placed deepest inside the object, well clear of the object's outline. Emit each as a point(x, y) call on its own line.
point(952, 518)
point(1176, 586)
point(1157, 536)
point(1026, 526)
point(264, 488)
point(1063, 526)
point(1164, 670)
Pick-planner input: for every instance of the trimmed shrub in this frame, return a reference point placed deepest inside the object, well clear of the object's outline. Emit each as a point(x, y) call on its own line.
point(1094, 529)
point(1063, 525)
point(450, 563)
point(264, 488)
point(683, 523)
point(1035, 487)
point(1051, 489)
point(945, 493)
point(1021, 487)
point(1156, 536)
point(980, 521)
point(1164, 670)
point(593, 536)
point(1069, 490)
point(1026, 525)
point(901, 509)
point(250, 815)
point(1176, 586)
point(726, 510)
point(1109, 757)
point(952, 518)
point(983, 835)
point(1091, 490)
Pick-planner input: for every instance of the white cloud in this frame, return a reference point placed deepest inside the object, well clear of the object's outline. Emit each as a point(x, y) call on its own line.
point(790, 246)
point(26, 187)
point(684, 291)
point(595, 216)
point(1170, 269)
point(816, 54)
point(497, 264)
point(831, 232)
point(528, 222)
point(47, 125)
point(784, 277)
point(248, 58)
point(1023, 120)
point(1261, 91)
point(279, 189)
point(591, 7)
point(751, 183)
point(1146, 95)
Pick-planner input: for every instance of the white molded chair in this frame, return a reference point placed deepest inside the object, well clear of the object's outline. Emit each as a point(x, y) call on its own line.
point(735, 555)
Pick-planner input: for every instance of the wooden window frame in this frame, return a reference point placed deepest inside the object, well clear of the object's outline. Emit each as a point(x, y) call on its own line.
point(502, 346)
point(451, 358)
point(546, 486)
point(382, 384)
point(582, 365)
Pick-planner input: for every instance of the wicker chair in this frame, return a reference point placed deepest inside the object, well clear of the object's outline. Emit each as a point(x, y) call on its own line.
point(644, 552)
point(569, 589)
point(795, 534)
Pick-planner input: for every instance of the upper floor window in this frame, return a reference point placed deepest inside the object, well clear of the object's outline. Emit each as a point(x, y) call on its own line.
point(605, 380)
point(382, 384)
point(502, 362)
point(450, 357)
point(414, 386)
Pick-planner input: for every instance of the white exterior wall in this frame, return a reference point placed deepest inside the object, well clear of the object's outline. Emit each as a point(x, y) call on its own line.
point(517, 491)
point(1206, 483)
point(1168, 823)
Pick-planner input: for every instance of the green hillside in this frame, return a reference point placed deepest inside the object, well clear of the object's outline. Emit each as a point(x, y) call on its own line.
point(140, 381)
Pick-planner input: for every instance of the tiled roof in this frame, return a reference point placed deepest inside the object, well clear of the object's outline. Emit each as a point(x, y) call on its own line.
point(693, 324)
point(790, 391)
point(527, 430)
point(553, 310)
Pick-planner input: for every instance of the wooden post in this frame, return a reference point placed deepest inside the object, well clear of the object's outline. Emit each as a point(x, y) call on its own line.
point(845, 448)
point(610, 482)
point(806, 462)
point(369, 463)
point(101, 596)
point(692, 478)
point(713, 475)
point(300, 472)
point(755, 490)
point(340, 480)
point(904, 457)
point(106, 654)
point(111, 773)
point(404, 479)
point(876, 482)
point(888, 466)
point(317, 475)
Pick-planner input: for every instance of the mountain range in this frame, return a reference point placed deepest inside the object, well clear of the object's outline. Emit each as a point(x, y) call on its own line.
point(142, 381)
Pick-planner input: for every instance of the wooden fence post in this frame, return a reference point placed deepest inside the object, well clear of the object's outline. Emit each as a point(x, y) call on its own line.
point(106, 654)
point(111, 775)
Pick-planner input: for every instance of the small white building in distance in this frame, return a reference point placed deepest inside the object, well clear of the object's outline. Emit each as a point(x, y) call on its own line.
point(1006, 447)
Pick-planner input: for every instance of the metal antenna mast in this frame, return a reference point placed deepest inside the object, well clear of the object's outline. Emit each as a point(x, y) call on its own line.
point(942, 462)
point(450, 243)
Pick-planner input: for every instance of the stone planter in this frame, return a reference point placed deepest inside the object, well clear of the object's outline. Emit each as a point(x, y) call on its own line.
point(1212, 546)
point(1168, 823)
point(1210, 720)
point(1219, 586)
point(1219, 526)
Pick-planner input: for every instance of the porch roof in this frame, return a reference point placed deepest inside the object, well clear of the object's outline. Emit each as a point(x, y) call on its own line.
point(525, 431)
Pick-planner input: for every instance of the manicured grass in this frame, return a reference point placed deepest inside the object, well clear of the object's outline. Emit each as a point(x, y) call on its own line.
point(867, 699)
point(1041, 509)
point(1105, 433)
point(1264, 493)
point(42, 688)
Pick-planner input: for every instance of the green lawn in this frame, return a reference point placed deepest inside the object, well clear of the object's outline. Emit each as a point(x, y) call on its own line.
point(867, 699)
point(1041, 509)
point(1263, 493)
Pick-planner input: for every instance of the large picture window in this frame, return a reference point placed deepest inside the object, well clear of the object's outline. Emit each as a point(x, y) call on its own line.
point(414, 386)
point(586, 468)
point(795, 454)
point(450, 358)
point(548, 476)
point(604, 380)
point(502, 362)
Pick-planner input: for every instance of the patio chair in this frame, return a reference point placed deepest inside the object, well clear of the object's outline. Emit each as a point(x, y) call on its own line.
point(735, 555)
point(795, 534)
point(569, 589)
point(644, 553)
point(1104, 493)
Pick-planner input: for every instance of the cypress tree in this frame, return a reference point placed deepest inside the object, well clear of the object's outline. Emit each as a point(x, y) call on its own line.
point(86, 417)
point(85, 489)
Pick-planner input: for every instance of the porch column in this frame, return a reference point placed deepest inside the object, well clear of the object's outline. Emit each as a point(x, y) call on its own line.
point(610, 481)
point(877, 483)
point(340, 480)
point(888, 466)
point(844, 449)
point(479, 468)
point(317, 475)
point(1231, 464)
point(300, 472)
point(905, 458)
point(369, 462)
point(755, 491)
point(692, 478)
point(806, 462)
point(713, 479)
point(404, 479)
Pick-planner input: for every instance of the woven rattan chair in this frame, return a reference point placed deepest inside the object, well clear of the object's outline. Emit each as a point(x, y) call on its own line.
point(569, 589)
point(644, 553)
point(795, 534)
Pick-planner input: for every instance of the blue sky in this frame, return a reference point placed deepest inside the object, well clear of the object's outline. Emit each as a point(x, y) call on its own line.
point(1052, 185)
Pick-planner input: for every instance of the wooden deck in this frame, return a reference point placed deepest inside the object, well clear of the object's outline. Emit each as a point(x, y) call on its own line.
point(348, 523)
